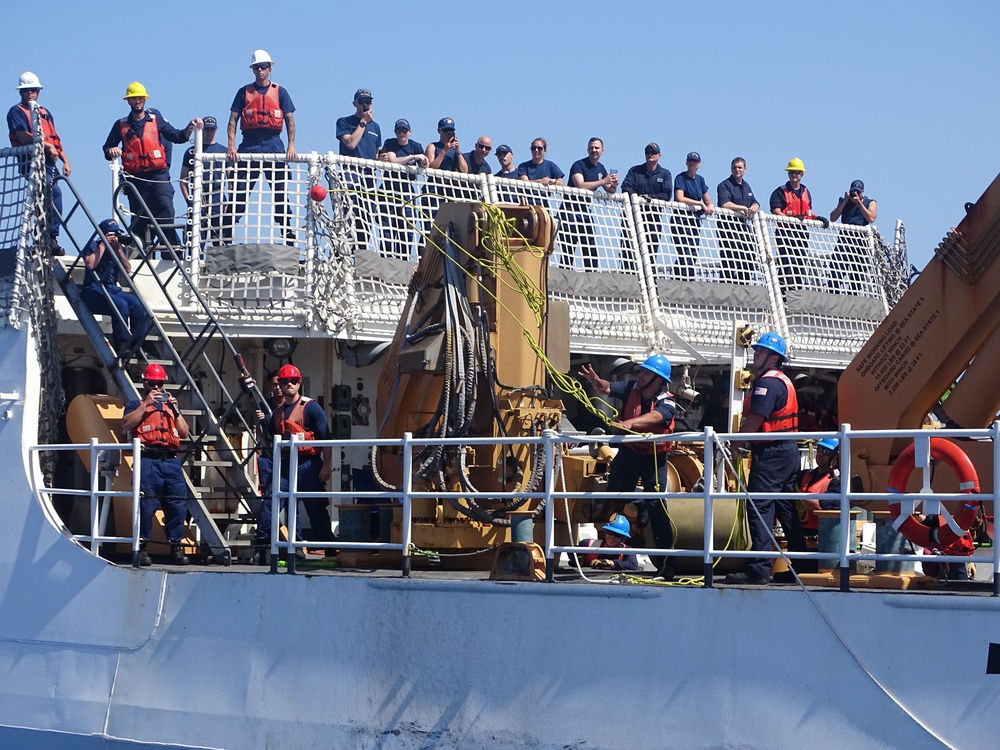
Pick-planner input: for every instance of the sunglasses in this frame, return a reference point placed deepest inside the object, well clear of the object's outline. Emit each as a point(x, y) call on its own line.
point(484, 147)
point(652, 153)
point(538, 148)
point(794, 171)
point(262, 66)
point(288, 381)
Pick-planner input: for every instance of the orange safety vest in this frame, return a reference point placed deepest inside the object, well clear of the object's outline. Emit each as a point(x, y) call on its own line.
point(145, 153)
point(158, 428)
point(796, 205)
point(597, 544)
point(786, 419)
point(633, 409)
point(48, 127)
point(295, 425)
point(261, 110)
point(811, 487)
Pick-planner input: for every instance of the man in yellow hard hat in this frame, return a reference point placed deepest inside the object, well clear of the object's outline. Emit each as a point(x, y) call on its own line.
point(791, 239)
point(141, 140)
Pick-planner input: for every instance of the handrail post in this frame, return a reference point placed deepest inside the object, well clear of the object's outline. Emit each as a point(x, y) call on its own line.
point(845, 508)
point(95, 477)
point(995, 430)
point(293, 503)
point(407, 536)
point(709, 521)
point(550, 510)
point(275, 501)
point(136, 495)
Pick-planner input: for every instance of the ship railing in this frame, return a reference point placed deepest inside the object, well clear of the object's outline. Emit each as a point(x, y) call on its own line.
point(624, 263)
point(107, 457)
point(716, 454)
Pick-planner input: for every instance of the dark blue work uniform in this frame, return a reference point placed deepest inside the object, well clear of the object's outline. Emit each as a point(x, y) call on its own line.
point(398, 217)
point(845, 258)
point(685, 226)
point(657, 184)
point(739, 247)
point(154, 185)
point(575, 212)
point(161, 483)
point(774, 468)
point(307, 480)
point(630, 465)
point(17, 121)
point(128, 317)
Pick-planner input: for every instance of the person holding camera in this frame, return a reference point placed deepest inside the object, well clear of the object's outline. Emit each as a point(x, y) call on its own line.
point(855, 209)
point(104, 257)
point(361, 137)
point(157, 421)
point(446, 153)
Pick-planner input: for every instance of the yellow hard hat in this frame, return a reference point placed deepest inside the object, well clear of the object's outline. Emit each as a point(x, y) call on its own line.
point(135, 89)
point(795, 165)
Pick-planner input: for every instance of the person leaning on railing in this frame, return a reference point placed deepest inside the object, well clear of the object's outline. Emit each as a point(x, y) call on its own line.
point(739, 246)
point(653, 181)
point(399, 211)
point(791, 240)
point(648, 407)
point(856, 209)
point(690, 189)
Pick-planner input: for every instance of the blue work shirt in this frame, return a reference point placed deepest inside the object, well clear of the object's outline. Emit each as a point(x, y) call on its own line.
point(474, 168)
point(371, 140)
point(731, 192)
point(262, 140)
point(656, 184)
point(106, 271)
point(589, 172)
point(692, 187)
point(539, 171)
point(852, 214)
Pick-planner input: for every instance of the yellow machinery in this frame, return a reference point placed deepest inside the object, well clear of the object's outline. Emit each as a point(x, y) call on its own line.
point(942, 337)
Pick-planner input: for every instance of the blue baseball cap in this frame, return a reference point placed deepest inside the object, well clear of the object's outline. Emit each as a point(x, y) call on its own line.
point(858, 185)
point(110, 225)
point(693, 156)
point(402, 125)
point(210, 122)
point(362, 94)
point(503, 148)
point(446, 123)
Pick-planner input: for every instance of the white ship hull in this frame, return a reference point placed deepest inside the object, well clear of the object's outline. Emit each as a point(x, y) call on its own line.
point(99, 656)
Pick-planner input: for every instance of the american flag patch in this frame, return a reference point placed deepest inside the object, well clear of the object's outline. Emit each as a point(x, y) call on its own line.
point(760, 391)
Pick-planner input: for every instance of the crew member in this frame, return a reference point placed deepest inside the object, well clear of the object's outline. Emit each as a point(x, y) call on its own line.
point(158, 423)
point(140, 139)
point(21, 134)
point(770, 405)
point(855, 209)
point(822, 479)
point(649, 407)
point(791, 239)
point(616, 532)
point(297, 414)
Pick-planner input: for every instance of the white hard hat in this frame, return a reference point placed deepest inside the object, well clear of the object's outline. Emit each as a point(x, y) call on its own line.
point(28, 80)
point(260, 56)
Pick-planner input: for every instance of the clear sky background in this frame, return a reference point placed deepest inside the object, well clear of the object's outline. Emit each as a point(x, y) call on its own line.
point(899, 94)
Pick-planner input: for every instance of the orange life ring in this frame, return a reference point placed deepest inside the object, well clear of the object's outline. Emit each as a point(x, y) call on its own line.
point(939, 536)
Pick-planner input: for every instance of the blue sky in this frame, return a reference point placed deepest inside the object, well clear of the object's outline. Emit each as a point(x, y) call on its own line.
point(898, 94)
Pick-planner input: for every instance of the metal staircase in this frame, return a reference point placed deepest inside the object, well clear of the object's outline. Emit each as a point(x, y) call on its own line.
point(223, 489)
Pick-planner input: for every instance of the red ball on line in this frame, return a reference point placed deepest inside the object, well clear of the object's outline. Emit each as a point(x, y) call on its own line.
point(318, 193)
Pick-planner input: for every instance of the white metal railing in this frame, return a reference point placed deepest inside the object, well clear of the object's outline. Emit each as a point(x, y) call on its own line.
point(553, 444)
point(108, 457)
point(625, 264)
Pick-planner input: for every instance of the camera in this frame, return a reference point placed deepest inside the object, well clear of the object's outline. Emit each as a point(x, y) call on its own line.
point(855, 192)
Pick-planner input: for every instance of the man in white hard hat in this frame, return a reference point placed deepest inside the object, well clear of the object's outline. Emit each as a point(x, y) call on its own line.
point(141, 140)
point(261, 108)
point(21, 134)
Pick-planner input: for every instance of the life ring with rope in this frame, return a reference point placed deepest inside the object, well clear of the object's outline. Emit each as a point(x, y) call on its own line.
point(939, 535)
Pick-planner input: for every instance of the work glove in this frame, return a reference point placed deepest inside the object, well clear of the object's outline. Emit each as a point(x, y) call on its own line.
point(603, 564)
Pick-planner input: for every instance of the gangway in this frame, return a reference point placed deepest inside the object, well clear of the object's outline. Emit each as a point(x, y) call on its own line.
point(218, 475)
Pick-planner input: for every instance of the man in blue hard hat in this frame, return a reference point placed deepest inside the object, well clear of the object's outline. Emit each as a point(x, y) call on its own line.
point(771, 405)
point(616, 533)
point(649, 407)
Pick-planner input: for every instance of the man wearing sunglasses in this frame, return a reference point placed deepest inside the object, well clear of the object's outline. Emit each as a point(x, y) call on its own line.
point(654, 182)
point(299, 415)
point(476, 159)
point(792, 199)
point(361, 137)
point(261, 108)
point(19, 127)
point(158, 423)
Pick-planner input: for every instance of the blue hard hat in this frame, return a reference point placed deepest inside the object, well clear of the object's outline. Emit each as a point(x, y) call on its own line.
point(658, 365)
point(831, 444)
point(772, 342)
point(619, 525)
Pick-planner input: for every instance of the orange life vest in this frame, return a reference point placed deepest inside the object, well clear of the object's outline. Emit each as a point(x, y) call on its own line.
point(796, 205)
point(261, 110)
point(812, 486)
point(48, 127)
point(786, 419)
point(633, 409)
point(144, 153)
point(599, 545)
point(295, 425)
point(158, 428)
